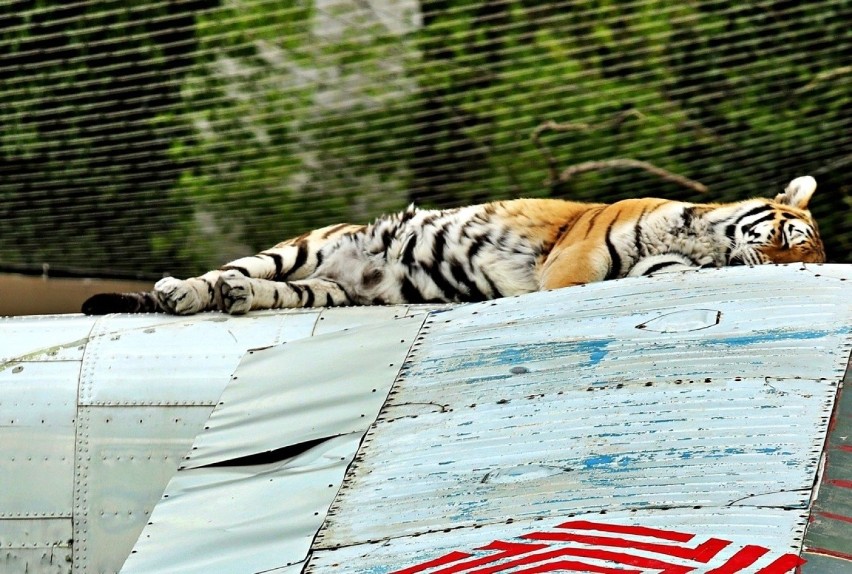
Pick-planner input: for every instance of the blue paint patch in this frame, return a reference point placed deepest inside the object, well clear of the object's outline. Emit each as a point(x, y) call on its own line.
point(686, 455)
point(759, 337)
point(768, 450)
point(596, 461)
point(506, 356)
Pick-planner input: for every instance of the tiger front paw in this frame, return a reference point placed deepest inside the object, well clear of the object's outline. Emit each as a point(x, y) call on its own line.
point(177, 296)
point(233, 293)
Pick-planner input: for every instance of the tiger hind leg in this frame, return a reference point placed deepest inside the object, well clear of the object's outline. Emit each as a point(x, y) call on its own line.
point(237, 294)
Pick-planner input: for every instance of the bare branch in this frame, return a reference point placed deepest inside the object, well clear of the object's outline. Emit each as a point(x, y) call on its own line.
point(550, 125)
point(586, 166)
point(825, 77)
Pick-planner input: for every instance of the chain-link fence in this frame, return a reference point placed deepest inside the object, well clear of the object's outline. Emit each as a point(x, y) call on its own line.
point(170, 136)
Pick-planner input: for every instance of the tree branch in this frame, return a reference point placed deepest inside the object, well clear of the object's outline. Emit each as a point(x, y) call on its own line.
point(585, 166)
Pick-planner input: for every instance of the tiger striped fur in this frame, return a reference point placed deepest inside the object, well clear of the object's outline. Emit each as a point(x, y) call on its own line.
point(491, 250)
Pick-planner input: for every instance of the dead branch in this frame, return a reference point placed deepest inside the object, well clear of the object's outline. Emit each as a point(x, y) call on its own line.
point(553, 126)
point(586, 166)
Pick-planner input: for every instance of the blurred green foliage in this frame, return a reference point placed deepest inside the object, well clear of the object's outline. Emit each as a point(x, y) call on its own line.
point(172, 136)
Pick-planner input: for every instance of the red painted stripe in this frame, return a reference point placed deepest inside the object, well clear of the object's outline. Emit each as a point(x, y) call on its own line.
point(783, 565)
point(574, 566)
point(504, 550)
point(840, 483)
point(617, 557)
point(445, 559)
point(744, 558)
point(843, 447)
point(832, 516)
point(624, 529)
point(701, 553)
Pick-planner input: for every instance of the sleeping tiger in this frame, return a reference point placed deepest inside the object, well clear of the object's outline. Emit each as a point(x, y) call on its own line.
point(491, 250)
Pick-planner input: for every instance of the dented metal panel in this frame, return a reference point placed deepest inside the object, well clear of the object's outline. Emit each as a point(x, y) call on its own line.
point(612, 400)
point(258, 481)
point(243, 518)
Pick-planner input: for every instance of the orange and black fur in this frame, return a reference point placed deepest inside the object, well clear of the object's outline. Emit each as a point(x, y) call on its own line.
point(491, 250)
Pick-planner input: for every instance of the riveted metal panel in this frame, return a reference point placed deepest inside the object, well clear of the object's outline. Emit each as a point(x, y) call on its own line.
point(606, 398)
point(37, 411)
point(44, 338)
point(294, 393)
point(131, 453)
point(243, 519)
point(339, 319)
point(41, 546)
point(159, 359)
point(225, 513)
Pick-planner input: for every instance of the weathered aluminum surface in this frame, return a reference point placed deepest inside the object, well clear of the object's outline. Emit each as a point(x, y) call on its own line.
point(44, 338)
point(223, 512)
point(732, 529)
point(606, 398)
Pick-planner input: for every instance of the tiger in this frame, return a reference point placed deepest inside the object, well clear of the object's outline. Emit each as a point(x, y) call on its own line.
point(491, 250)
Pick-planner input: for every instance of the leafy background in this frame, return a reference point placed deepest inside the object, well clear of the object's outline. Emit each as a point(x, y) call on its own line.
point(170, 136)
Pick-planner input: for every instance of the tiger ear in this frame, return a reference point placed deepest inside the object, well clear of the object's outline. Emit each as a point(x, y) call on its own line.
point(798, 192)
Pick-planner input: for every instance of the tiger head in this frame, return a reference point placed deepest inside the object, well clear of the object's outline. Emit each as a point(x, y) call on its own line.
point(779, 230)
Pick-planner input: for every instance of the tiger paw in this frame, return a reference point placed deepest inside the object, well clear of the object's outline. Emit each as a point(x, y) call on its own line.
point(177, 297)
point(233, 293)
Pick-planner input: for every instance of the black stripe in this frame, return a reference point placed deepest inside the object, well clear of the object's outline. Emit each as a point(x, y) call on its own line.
point(275, 297)
point(663, 265)
point(592, 222)
point(309, 301)
point(408, 251)
point(410, 292)
point(434, 270)
point(279, 262)
point(329, 302)
point(242, 270)
point(615, 259)
point(767, 217)
point(301, 257)
point(462, 278)
point(637, 234)
point(731, 227)
point(477, 244)
point(297, 289)
point(495, 292)
point(334, 230)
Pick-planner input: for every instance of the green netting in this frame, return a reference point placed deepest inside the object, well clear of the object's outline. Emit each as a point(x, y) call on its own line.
point(170, 136)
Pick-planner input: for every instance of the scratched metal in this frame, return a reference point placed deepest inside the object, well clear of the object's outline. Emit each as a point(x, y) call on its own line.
point(43, 338)
point(708, 389)
point(224, 513)
point(35, 546)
